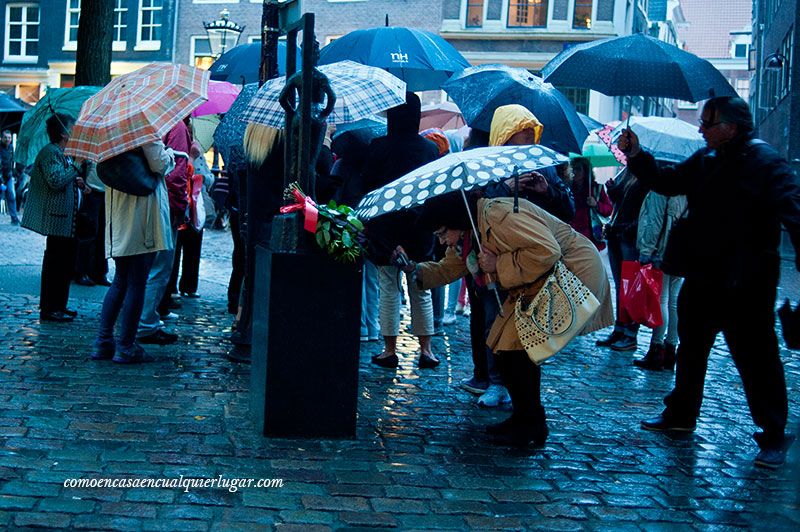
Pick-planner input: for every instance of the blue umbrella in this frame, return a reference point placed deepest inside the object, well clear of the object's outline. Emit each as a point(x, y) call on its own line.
point(32, 133)
point(240, 64)
point(590, 123)
point(420, 58)
point(229, 136)
point(479, 91)
point(356, 136)
point(637, 65)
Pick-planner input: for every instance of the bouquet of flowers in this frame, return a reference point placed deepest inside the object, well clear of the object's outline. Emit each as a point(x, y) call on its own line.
point(336, 228)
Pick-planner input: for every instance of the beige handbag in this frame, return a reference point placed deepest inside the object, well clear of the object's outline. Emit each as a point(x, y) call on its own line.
point(556, 314)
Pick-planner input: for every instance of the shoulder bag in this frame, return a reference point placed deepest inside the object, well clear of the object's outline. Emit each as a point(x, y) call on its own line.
point(557, 314)
point(129, 172)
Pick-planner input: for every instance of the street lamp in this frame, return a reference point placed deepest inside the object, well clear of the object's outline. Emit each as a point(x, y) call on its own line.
point(774, 61)
point(223, 33)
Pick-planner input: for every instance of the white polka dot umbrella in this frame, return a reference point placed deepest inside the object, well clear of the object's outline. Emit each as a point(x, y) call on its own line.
point(456, 171)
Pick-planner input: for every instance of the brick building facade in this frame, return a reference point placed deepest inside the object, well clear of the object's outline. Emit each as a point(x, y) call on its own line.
point(774, 99)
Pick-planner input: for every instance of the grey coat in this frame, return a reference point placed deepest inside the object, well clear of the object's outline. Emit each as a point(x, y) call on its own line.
point(652, 235)
point(52, 203)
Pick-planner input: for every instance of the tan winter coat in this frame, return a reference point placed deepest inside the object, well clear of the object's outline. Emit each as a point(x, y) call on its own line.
point(527, 245)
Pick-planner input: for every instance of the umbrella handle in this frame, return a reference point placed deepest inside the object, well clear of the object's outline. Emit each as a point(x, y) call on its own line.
point(491, 285)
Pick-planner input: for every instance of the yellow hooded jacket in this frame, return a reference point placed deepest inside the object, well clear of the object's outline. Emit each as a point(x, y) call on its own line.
point(511, 119)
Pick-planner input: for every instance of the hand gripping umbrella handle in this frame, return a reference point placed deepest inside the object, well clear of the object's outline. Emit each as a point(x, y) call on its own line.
point(491, 285)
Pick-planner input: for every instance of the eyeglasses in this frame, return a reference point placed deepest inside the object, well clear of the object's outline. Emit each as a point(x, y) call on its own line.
point(708, 125)
point(440, 233)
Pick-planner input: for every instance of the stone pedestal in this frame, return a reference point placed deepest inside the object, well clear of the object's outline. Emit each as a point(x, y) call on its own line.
point(306, 326)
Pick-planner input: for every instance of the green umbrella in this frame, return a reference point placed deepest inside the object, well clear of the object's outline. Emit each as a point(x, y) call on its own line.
point(598, 154)
point(32, 133)
point(203, 128)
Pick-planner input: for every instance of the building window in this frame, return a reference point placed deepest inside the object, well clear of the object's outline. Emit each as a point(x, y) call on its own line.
point(22, 32)
point(150, 21)
point(201, 53)
point(578, 97)
point(474, 13)
point(582, 14)
point(527, 13)
point(740, 50)
point(742, 87)
point(121, 22)
point(73, 18)
point(785, 79)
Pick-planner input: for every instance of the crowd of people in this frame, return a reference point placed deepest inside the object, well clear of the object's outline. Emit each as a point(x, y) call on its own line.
point(476, 254)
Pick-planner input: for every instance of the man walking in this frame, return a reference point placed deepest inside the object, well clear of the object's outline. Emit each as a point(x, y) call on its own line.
point(7, 165)
point(739, 192)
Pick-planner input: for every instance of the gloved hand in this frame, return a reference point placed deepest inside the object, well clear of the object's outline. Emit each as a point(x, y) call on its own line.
point(645, 259)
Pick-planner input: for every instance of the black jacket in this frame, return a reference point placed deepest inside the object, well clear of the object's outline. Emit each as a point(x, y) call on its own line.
point(6, 162)
point(401, 151)
point(558, 199)
point(738, 197)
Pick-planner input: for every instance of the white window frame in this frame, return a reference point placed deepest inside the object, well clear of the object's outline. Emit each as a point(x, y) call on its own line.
point(120, 21)
point(25, 24)
point(571, 15)
point(149, 45)
point(193, 47)
point(69, 45)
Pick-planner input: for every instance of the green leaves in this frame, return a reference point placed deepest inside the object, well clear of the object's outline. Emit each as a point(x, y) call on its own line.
point(337, 232)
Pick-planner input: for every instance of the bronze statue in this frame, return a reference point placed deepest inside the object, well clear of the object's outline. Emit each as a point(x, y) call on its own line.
point(321, 93)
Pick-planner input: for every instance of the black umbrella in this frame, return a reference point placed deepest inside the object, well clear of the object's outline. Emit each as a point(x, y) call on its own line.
point(240, 64)
point(11, 111)
point(480, 90)
point(637, 65)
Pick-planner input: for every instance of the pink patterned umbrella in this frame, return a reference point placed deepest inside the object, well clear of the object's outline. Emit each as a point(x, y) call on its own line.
point(220, 98)
point(135, 109)
point(605, 135)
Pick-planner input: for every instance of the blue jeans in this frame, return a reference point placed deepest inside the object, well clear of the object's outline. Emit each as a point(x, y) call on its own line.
point(125, 297)
point(369, 302)
point(11, 199)
point(452, 298)
point(437, 298)
point(157, 282)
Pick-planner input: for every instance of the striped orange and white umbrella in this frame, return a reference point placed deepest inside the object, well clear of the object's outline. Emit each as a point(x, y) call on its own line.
point(135, 109)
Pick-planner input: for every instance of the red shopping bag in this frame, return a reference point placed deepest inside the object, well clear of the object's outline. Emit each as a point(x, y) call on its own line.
point(640, 294)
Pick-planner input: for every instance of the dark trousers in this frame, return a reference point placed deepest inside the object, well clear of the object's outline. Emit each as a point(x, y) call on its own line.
point(124, 299)
point(483, 311)
point(746, 317)
point(186, 261)
point(58, 268)
point(90, 234)
point(237, 261)
point(620, 249)
point(523, 379)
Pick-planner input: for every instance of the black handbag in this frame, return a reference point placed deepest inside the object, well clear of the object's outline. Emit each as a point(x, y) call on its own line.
point(676, 259)
point(129, 172)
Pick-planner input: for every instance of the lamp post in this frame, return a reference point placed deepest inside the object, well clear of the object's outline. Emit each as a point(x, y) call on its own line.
point(223, 33)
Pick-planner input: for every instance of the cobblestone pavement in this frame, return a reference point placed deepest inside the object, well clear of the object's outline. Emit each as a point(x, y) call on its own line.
point(419, 460)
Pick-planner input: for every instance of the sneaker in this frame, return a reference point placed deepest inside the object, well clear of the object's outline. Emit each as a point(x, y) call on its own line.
point(626, 343)
point(664, 423)
point(104, 352)
point(449, 319)
point(14, 222)
point(610, 339)
point(170, 316)
point(771, 458)
point(137, 355)
point(459, 308)
point(473, 385)
point(365, 338)
point(160, 337)
point(467, 311)
point(495, 396)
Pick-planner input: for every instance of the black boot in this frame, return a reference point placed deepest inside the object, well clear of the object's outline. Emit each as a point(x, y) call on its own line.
point(669, 357)
point(653, 360)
